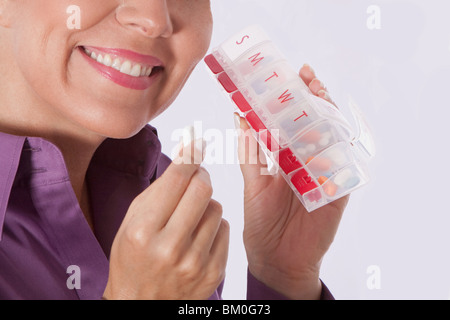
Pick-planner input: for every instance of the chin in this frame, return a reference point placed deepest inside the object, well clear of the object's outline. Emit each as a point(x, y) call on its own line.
point(112, 127)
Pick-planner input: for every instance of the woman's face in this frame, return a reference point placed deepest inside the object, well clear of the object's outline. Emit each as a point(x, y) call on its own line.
point(121, 66)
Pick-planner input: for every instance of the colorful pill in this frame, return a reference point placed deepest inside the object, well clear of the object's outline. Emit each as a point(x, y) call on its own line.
point(352, 182)
point(330, 188)
point(322, 180)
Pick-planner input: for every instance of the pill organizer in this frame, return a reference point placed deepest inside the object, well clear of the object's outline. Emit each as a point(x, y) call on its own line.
point(308, 139)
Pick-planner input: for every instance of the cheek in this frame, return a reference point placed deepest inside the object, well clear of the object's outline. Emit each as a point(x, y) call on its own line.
point(189, 45)
point(193, 44)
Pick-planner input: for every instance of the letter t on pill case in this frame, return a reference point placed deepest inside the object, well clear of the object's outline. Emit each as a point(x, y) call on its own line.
point(308, 139)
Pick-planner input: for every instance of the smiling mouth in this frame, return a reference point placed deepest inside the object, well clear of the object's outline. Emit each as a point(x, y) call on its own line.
point(126, 66)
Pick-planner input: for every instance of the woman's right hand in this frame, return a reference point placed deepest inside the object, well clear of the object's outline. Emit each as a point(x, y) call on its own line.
point(173, 242)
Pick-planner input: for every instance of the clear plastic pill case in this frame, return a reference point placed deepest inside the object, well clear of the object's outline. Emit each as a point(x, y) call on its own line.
point(307, 138)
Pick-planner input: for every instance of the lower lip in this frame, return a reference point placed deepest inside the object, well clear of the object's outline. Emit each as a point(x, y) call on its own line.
point(124, 80)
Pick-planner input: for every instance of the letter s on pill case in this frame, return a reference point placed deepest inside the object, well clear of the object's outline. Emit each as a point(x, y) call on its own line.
point(307, 138)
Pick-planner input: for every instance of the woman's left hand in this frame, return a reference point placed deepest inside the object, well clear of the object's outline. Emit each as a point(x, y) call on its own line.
point(285, 244)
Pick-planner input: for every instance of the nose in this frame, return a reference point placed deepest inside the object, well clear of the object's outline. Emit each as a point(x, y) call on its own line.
point(150, 18)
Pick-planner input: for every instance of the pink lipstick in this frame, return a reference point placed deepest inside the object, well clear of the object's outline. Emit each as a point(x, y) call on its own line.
point(124, 67)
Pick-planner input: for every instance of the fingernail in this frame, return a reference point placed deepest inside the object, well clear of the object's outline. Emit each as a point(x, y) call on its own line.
point(322, 85)
point(309, 67)
point(237, 121)
point(192, 150)
point(324, 94)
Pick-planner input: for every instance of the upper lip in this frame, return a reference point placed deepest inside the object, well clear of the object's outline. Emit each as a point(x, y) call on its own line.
point(143, 59)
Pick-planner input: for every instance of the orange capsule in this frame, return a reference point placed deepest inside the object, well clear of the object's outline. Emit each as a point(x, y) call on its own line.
point(309, 160)
point(322, 180)
point(330, 188)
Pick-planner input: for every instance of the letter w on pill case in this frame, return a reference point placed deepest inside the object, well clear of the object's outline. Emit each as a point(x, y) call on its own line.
point(316, 150)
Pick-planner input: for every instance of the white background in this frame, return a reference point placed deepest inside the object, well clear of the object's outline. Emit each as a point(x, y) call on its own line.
point(400, 77)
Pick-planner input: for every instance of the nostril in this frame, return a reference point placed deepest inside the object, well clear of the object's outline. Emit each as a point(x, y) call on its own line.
point(139, 27)
point(149, 20)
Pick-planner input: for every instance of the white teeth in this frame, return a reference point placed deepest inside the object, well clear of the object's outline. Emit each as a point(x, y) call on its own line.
point(107, 61)
point(136, 70)
point(116, 64)
point(123, 66)
point(126, 67)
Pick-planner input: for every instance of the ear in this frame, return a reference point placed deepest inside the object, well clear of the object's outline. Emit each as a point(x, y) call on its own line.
point(5, 13)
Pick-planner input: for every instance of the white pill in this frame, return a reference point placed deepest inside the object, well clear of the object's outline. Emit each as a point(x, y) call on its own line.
point(311, 148)
point(188, 135)
point(338, 156)
point(327, 135)
point(324, 141)
point(342, 177)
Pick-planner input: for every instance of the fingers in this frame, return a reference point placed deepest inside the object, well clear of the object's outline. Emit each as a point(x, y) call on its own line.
point(218, 255)
point(160, 200)
point(192, 206)
point(307, 74)
point(208, 228)
point(309, 78)
point(316, 86)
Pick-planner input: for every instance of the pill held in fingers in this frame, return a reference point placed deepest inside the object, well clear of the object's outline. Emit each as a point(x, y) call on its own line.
point(320, 155)
point(191, 149)
point(188, 135)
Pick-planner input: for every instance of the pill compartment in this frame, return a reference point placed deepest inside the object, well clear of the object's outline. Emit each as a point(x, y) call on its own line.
point(285, 96)
point(241, 42)
point(317, 138)
point(296, 120)
point(256, 59)
point(270, 79)
point(330, 161)
point(344, 181)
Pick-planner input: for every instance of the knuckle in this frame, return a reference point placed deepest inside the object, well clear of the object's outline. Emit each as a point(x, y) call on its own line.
point(192, 267)
point(166, 254)
point(215, 274)
point(137, 236)
point(176, 176)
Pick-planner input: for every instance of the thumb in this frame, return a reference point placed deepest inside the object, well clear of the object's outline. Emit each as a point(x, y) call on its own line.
point(252, 159)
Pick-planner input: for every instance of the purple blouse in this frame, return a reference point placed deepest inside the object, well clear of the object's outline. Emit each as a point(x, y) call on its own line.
point(47, 249)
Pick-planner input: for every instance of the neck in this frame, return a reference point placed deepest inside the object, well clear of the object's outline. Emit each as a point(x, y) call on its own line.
point(78, 155)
